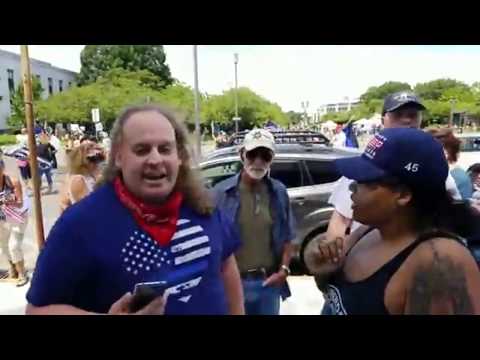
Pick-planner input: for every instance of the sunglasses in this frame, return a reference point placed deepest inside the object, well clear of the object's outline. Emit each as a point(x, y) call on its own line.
point(95, 159)
point(265, 154)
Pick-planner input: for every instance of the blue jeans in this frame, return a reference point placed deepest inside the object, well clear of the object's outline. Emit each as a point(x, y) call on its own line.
point(260, 300)
point(48, 174)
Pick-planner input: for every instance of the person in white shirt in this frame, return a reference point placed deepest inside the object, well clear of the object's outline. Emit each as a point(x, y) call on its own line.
point(340, 138)
point(400, 110)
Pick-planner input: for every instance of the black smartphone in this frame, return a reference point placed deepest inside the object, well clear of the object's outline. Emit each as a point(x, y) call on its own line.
point(145, 293)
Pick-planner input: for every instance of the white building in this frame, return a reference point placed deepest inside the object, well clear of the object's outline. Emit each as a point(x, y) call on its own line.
point(53, 79)
point(345, 105)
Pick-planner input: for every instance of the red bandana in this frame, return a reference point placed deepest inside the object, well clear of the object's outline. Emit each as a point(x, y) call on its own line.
point(160, 222)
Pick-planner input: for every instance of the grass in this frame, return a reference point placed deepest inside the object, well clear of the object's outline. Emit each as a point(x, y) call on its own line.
point(6, 139)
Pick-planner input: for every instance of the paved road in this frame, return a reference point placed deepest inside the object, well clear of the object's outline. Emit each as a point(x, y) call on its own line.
point(12, 299)
point(50, 209)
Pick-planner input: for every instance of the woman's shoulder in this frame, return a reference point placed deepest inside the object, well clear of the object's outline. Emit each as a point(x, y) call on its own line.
point(76, 181)
point(102, 200)
point(440, 251)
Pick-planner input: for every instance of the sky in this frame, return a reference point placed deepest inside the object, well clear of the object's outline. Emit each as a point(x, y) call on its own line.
point(291, 74)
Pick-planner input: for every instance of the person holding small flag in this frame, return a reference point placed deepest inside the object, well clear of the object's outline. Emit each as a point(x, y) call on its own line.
point(14, 208)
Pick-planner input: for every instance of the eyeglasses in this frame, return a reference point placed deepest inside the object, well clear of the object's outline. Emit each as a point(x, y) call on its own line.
point(265, 154)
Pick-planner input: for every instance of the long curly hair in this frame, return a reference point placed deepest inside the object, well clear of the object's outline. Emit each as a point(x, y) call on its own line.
point(77, 161)
point(189, 182)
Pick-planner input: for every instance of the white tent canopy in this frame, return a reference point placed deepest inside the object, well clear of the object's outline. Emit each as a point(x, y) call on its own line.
point(376, 119)
point(362, 122)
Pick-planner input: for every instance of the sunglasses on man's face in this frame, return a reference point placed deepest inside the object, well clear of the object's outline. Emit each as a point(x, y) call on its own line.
point(265, 154)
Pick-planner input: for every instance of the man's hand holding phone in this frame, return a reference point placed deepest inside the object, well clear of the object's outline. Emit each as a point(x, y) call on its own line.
point(147, 299)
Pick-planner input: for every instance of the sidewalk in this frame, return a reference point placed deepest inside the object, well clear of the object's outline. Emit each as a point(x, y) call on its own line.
point(12, 299)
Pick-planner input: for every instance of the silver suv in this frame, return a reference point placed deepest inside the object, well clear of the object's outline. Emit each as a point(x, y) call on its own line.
point(309, 175)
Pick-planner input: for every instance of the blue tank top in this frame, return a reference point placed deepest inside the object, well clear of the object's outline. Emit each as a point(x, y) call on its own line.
point(366, 297)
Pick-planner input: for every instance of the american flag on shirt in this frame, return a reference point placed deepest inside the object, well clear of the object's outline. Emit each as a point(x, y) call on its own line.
point(11, 213)
point(181, 263)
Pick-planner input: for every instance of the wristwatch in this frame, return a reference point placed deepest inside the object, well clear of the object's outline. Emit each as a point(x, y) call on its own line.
point(286, 269)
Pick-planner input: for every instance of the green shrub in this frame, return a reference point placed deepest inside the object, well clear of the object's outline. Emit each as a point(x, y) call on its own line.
point(6, 139)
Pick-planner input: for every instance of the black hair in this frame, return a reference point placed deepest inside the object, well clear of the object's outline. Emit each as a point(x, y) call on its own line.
point(88, 138)
point(440, 212)
point(436, 210)
point(474, 169)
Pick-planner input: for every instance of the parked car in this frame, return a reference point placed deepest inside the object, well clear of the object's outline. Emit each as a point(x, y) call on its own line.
point(286, 137)
point(309, 175)
point(469, 150)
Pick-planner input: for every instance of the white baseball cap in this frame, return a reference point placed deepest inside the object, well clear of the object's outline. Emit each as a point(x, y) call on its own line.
point(259, 138)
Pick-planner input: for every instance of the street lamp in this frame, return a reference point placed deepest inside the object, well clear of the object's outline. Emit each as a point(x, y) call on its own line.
point(198, 149)
point(236, 118)
point(452, 105)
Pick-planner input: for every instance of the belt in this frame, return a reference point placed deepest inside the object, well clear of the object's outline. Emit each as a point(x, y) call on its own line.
point(257, 273)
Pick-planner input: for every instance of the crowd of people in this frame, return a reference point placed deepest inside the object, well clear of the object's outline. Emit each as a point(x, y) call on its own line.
point(405, 220)
point(84, 159)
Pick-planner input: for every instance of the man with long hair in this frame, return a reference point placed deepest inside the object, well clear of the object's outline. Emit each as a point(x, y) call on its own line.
point(151, 220)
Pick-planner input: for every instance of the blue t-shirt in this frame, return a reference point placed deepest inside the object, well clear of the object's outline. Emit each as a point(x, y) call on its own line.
point(96, 252)
point(463, 182)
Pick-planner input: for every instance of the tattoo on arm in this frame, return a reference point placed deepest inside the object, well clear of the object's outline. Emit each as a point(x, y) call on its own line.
point(442, 283)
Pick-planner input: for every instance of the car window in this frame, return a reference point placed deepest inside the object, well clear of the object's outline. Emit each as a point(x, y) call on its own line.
point(288, 172)
point(213, 174)
point(322, 172)
point(470, 144)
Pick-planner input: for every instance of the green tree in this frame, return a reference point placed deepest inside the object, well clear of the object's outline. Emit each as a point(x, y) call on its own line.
point(433, 90)
point(16, 119)
point(380, 92)
point(437, 113)
point(475, 88)
point(338, 117)
point(97, 60)
point(459, 93)
point(111, 93)
point(294, 117)
point(253, 109)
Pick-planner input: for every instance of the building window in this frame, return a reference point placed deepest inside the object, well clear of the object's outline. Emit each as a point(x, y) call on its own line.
point(11, 81)
point(60, 85)
point(69, 84)
point(50, 86)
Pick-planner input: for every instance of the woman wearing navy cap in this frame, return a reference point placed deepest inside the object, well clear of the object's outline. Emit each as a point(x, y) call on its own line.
point(411, 257)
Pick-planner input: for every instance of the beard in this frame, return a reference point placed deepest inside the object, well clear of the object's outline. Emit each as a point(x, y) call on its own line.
point(256, 173)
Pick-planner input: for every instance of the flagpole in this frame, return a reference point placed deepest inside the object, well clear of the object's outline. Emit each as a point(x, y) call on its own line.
point(32, 146)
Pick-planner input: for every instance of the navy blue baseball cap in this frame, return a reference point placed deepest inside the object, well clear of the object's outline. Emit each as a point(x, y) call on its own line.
point(413, 156)
point(396, 100)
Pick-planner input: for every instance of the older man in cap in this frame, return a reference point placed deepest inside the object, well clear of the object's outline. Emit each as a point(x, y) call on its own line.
point(259, 207)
